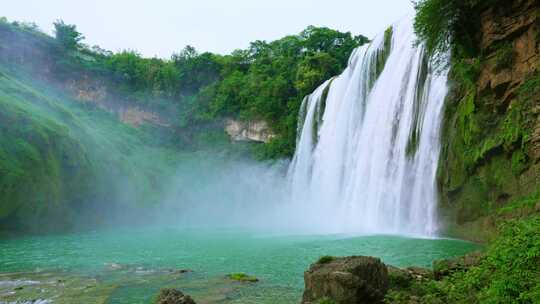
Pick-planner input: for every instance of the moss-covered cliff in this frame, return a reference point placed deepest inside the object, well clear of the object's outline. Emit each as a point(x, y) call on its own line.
point(63, 163)
point(491, 129)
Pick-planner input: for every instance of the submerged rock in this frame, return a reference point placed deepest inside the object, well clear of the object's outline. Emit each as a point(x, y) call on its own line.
point(180, 271)
point(355, 279)
point(173, 296)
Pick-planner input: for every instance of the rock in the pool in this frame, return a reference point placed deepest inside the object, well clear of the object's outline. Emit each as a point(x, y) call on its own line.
point(347, 280)
point(173, 296)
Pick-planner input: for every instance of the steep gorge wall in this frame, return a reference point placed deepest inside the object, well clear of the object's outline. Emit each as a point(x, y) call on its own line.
point(26, 49)
point(92, 90)
point(491, 131)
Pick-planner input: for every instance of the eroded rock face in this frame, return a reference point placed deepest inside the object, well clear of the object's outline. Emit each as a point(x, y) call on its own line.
point(517, 26)
point(173, 296)
point(481, 166)
point(136, 117)
point(256, 131)
point(355, 279)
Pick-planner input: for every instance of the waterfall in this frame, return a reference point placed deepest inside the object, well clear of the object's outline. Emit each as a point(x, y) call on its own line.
point(368, 141)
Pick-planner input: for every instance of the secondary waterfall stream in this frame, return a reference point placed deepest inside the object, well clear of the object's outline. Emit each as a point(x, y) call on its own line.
point(368, 141)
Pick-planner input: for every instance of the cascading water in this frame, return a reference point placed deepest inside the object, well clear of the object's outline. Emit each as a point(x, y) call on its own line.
point(368, 141)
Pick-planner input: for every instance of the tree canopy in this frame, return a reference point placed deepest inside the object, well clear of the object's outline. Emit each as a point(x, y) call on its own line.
point(67, 35)
point(267, 80)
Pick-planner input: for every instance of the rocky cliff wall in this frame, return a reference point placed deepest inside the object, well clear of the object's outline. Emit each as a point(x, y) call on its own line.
point(491, 131)
point(254, 131)
point(93, 91)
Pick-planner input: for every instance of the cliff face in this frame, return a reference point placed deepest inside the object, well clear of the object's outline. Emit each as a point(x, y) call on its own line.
point(37, 54)
point(255, 131)
point(491, 131)
point(89, 90)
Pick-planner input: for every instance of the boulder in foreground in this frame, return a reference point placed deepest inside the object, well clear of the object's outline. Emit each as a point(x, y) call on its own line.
point(347, 280)
point(173, 296)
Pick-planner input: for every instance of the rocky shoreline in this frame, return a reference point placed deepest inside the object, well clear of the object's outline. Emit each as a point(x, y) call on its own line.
point(357, 280)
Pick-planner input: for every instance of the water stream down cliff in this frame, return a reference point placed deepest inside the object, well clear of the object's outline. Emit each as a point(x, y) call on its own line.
point(368, 141)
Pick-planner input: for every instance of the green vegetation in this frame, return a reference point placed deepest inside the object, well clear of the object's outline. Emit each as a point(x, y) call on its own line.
point(504, 57)
point(488, 171)
point(67, 35)
point(326, 301)
point(450, 25)
point(381, 55)
point(476, 134)
point(325, 259)
point(62, 158)
point(278, 76)
point(242, 277)
point(195, 90)
point(486, 136)
point(59, 158)
point(508, 272)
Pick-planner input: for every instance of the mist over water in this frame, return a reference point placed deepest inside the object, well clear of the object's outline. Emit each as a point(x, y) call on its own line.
point(228, 193)
point(365, 163)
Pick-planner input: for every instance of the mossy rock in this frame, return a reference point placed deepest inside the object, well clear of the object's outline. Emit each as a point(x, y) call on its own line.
point(242, 277)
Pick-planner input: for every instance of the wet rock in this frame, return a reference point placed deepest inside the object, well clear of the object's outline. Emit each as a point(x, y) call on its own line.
point(173, 296)
point(355, 279)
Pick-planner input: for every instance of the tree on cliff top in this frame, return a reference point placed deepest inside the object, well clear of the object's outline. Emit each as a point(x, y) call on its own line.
point(67, 35)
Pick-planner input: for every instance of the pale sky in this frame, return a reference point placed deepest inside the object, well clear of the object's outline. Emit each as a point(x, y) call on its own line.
point(161, 27)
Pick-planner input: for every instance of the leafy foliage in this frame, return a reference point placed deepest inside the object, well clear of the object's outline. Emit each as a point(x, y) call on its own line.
point(67, 35)
point(265, 81)
point(508, 272)
point(269, 80)
point(59, 159)
point(325, 259)
point(449, 25)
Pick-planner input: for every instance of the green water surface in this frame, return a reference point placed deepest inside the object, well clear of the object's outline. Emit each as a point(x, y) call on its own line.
point(130, 266)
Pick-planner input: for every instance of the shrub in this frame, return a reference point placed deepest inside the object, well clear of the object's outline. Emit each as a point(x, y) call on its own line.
point(510, 273)
point(449, 25)
point(325, 259)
